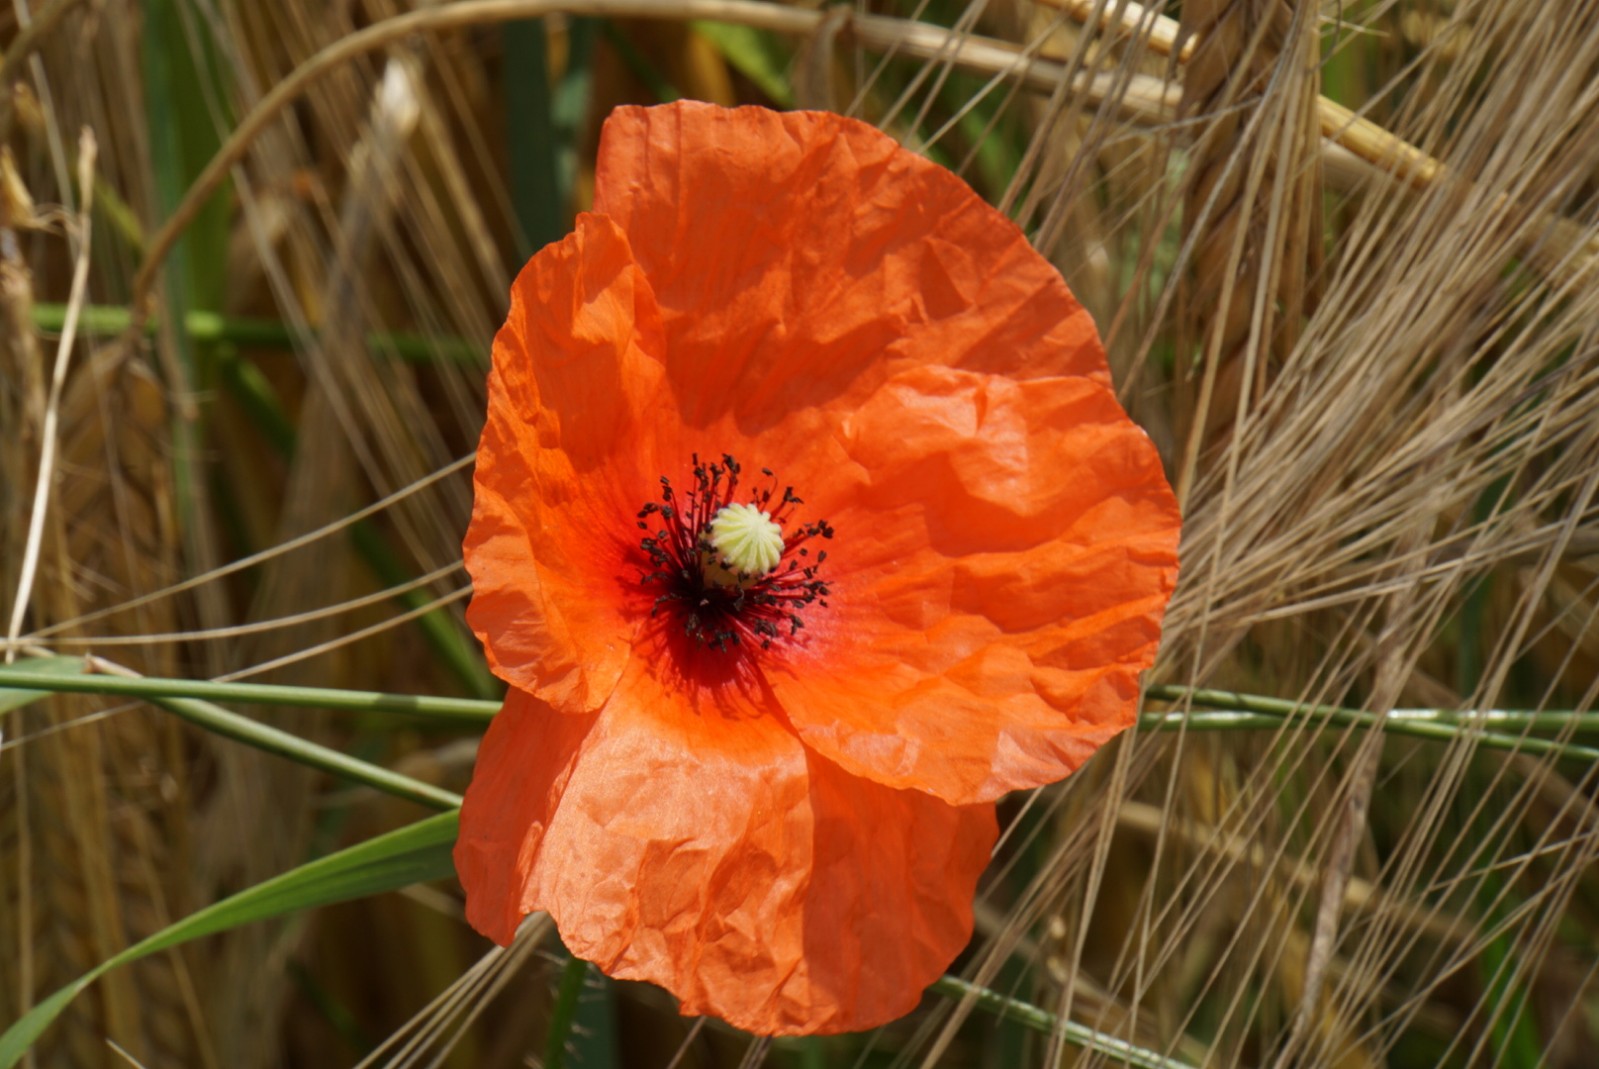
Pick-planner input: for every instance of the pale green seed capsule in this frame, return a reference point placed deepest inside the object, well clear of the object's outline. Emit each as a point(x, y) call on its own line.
point(747, 540)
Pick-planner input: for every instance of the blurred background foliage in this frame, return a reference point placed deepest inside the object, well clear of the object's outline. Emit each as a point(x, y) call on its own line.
point(1343, 258)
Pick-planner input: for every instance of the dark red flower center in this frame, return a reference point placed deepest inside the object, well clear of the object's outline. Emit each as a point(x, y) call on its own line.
point(732, 570)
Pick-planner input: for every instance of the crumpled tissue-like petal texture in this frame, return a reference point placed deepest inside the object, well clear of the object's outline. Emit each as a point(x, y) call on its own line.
point(1007, 541)
point(789, 838)
point(990, 619)
point(719, 858)
point(801, 258)
point(561, 468)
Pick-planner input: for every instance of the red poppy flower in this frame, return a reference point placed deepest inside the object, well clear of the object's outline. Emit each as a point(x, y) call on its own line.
point(806, 525)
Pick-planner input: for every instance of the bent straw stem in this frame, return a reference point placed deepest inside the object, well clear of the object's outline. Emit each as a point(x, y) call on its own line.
point(1143, 97)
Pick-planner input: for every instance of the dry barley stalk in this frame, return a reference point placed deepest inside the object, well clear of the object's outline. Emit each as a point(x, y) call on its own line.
point(93, 854)
point(1251, 203)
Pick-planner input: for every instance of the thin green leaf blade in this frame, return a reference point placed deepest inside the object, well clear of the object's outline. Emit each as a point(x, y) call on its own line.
point(753, 53)
point(224, 722)
point(413, 854)
point(45, 666)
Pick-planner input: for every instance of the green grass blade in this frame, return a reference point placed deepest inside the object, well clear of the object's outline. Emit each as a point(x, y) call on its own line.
point(1255, 712)
point(460, 710)
point(182, 82)
point(413, 854)
point(530, 142)
point(755, 54)
point(1024, 1013)
point(220, 721)
point(1514, 1031)
point(573, 976)
point(1237, 712)
point(106, 321)
point(16, 697)
point(213, 718)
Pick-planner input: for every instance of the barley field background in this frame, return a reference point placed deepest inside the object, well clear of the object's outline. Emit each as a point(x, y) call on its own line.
point(1345, 259)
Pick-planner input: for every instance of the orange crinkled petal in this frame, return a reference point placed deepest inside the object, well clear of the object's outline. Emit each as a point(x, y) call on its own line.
point(801, 258)
point(789, 838)
point(564, 453)
point(857, 318)
point(1005, 550)
point(719, 858)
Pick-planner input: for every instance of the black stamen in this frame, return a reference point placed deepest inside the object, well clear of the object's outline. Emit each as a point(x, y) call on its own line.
point(717, 614)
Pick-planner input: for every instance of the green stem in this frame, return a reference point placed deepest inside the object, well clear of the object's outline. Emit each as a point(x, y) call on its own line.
point(1240, 712)
point(1445, 725)
point(173, 696)
point(1039, 1020)
point(220, 721)
point(573, 977)
point(201, 326)
point(150, 688)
